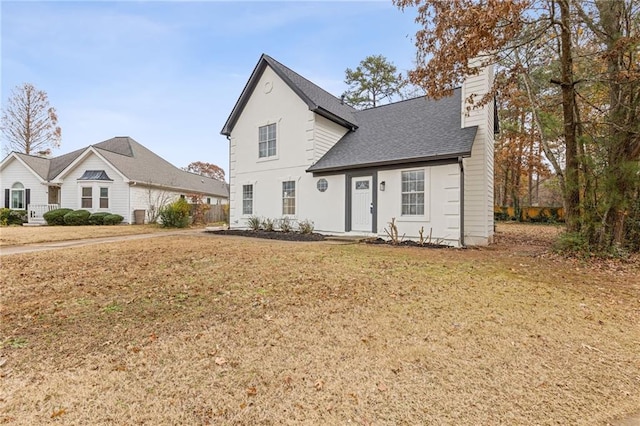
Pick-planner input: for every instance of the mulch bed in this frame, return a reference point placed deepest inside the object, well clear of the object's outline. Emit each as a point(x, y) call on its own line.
point(271, 235)
point(407, 243)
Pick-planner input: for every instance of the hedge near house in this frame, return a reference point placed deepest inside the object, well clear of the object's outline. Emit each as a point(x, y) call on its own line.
point(98, 218)
point(56, 217)
point(112, 219)
point(77, 218)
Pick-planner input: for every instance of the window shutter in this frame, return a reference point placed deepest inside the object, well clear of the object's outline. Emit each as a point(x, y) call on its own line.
point(7, 194)
point(27, 198)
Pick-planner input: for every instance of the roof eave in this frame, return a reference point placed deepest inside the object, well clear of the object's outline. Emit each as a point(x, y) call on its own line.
point(331, 116)
point(398, 162)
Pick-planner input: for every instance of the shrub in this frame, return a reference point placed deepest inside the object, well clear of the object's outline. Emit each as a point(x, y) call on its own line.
point(176, 214)
point(112, 219)
point(305, 227)
point(501, 214)
point(285, 224)
point(18, 217)
point(56, 217)
point(4, 216)
point(254, 223)
point(77, 218)
point(12, 217)
point(98, 218)
point(268, 224)
point(572, 243)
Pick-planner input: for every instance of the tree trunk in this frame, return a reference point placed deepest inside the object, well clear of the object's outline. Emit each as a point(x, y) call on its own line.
point(572, 189)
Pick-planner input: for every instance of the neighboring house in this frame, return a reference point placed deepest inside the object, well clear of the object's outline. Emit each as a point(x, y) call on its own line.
point(297, 151)
point(118, 175)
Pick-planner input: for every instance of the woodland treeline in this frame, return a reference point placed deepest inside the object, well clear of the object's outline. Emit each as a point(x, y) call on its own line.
point(568, 89)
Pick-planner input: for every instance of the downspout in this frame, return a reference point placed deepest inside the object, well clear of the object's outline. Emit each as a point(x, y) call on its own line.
point(229, 199)
point(461, 202)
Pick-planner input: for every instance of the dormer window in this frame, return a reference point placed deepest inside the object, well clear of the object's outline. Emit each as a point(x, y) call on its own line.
point(267, 141)
point(94, 175)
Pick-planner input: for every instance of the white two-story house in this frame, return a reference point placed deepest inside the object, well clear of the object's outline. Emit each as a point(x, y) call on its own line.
point(297, 151)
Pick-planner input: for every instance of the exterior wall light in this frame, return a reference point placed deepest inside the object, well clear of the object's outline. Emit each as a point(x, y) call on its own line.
point(382, 185)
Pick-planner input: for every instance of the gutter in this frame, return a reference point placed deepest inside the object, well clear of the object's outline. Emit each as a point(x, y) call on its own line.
point(461, 202)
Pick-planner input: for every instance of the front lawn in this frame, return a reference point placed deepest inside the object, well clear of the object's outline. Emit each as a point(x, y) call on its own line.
point(203, 329)
point(21, 235)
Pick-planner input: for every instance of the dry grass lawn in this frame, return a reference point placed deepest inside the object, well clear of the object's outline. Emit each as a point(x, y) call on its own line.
point(203, 329)
point(21, 235)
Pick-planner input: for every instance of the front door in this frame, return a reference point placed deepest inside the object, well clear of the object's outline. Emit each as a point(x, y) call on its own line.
point(361, 203)
point(54, 195)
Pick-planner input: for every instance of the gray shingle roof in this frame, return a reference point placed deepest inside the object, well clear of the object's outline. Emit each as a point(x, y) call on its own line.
point(141, 165)
point(134, 161)
point(319, 100)
point(408, 131)
point(39, 165)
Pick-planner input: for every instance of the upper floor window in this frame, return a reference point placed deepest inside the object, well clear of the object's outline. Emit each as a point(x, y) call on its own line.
point(413, 193)
point(289, 197)
point(247, 199)
point(17, 196)
point(104, 198)
point(267, 141)
point(87, 197)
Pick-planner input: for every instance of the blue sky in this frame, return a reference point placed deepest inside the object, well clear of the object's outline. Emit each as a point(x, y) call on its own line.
point(168, 73)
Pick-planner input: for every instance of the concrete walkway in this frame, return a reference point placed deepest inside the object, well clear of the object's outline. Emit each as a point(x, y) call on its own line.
point(55, 245)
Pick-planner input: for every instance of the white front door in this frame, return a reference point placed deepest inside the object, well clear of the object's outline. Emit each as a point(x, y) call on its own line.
point(361, 207)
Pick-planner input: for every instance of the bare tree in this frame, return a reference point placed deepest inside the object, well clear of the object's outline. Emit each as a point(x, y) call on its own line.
point(29, 124)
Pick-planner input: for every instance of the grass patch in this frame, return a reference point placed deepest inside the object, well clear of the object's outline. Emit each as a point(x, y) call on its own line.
point(319, 334)
point(20, 235)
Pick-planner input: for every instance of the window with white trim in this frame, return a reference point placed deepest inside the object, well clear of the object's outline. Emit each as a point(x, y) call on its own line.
point(413, 193)
point(247, 199)
point(86, 201)
point(104, 198)
point(17, 196)
point(267, 141)
point(289, 197)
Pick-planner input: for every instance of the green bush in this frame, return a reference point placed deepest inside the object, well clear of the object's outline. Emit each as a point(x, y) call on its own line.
point(56, 217)
point(98, 218)
point(176, 214)
point(18, 217)
point(112, 219)
point(4, 216)
point(571, 243)
point(12, 217)
point(254, 223)
point(77, 218)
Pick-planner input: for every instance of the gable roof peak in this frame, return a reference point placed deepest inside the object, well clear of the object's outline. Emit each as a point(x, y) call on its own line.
point(317, 99)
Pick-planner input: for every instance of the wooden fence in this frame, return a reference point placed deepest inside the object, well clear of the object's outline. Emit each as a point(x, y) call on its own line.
point(216, 213)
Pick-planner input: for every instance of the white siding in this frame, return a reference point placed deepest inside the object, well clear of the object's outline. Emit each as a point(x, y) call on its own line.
point(296, 129)
point(478, 169)
point(442, 210)
point(71, 188)
point(143, 196)
point(14, 171)
point(326, 135)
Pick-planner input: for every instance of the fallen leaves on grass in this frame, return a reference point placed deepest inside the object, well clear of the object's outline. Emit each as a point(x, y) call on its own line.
point(322, 333)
